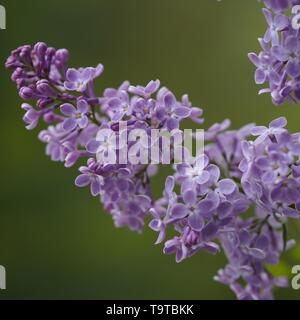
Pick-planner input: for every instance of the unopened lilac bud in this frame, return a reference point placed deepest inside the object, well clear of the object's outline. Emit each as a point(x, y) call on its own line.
point(93, 101)
point(17, 74)
point(40, 49)
point(26, 93)
point(50, 52)
point(10, 62)
point(25, 53)
point(50, 117)
point(62, 55)
point(44, 102)
point(43, 86)
point(21, 82)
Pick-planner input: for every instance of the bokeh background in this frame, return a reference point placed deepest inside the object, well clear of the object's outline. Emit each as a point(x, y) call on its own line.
point(55, 240)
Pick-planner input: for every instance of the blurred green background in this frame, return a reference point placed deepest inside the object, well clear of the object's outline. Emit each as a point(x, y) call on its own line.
point(55, 240)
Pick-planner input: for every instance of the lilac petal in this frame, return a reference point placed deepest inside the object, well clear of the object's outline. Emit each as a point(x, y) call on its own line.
point(281, 21)
point(133, 208)
point(155, 225)
point(73, 75)
point(226, 186)
point(254, 59)
point(99, 70)
point(280, 53)
point(26, 106)
point(257, 253)
point(225, 209)
point(31, 115)
point(122, 185)
point(269, 177)
point(260, 76)
point(263, 163)
point(172, 124)
point(214, 173)
point(209, 231)
point(181, 253)
point(83, 122)
point(274, 77)
point(244, 237)
point(69, 124)
point(257, 131)
point(190, 197)
point(178, 211)
point(292, 44)
point(284, 138)
point(139, 91)
point(268, 15)
point(82, 106)
point(293, 68)
point(32, 124)
point(205, 206)
point(118, 116)
point(295, 148)
point(115, 103)
point(263, 91)
point(68, 109)
point(278, 123)
point(170, 100)
point(71, 86)
point(160, 112)
point(143, 201)
point(268, 35)
point(203, 177)
point(262, 242)
point(182, 168)
point(211, 247)
point(71, 159)
point(152, 86)
point(95, 187)
point(291, 213)
point(214, 197)
point(93, 146)
point(182, 112)
point(202, 161)
point(83, 180)
point(161, 236)
point(243, 166)
point(277, 193)
point(86, 74)
point(196, 222)
point(170, 246)
point(169, 185)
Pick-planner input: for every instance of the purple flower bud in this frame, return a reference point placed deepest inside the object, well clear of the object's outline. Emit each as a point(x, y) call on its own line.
point(26, 93)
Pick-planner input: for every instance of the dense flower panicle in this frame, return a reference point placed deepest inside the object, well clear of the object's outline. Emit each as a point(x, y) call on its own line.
point(248, 247)
point(278, 64)
point(270, 170)
point(203, 202)
point(65, 99)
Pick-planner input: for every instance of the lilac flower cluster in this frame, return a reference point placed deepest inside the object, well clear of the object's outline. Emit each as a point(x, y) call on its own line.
point(204, 201)
point(278, 64)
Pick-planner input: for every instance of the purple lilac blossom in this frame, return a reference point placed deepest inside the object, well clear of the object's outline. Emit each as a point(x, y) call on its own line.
point(204, 202)
point(278, 64)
